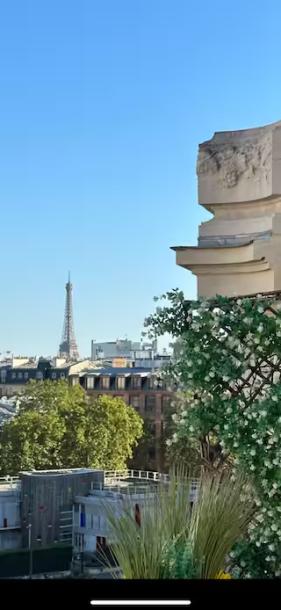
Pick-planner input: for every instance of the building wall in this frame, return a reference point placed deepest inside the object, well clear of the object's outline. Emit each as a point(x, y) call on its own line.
point(94, 525)
point(10, 536)
point(47, 501)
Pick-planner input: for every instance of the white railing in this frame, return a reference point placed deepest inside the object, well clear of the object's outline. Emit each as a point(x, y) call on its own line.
point(144, 475)
point(113, 477)
point(9, 483)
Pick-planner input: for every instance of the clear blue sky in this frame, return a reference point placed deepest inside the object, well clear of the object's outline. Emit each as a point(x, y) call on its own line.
point(102, 106)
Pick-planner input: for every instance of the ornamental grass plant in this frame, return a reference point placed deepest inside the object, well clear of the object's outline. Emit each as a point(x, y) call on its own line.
point(175, 540)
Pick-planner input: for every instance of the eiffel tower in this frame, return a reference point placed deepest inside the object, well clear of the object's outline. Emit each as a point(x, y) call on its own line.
point(68, 347)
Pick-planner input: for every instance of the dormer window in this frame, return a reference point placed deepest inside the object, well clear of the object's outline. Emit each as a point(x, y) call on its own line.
point(120, 383)
point(90, 383)
point(105, 383)
point(136, 382)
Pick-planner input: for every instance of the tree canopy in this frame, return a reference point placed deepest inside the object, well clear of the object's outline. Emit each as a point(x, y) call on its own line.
point(59, 426)
point(227, 371)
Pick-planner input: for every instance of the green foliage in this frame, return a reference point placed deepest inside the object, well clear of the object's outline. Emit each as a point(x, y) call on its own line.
point(178, 561)
point(230, 404)
point(59, 426)
point(175, 542)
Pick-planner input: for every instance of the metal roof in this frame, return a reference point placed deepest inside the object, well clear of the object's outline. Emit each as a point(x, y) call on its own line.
point(114, 371)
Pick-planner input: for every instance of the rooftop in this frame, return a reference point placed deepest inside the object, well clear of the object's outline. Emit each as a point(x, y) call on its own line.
point(113, 371)
point(60, 472)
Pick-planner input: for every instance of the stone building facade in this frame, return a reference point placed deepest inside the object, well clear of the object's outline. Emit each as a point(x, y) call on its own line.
point(239, 182)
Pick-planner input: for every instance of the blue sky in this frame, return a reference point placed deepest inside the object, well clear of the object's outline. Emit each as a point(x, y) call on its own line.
point(102, 106)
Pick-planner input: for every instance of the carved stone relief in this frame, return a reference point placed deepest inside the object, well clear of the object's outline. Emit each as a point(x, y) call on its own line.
point(250, 160)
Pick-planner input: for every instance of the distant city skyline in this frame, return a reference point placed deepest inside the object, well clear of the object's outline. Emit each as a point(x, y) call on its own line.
point(103, 105)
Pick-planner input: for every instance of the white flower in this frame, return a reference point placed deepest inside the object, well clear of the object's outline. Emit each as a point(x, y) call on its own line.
point(253, 452)
point(274, 398)
point(248, 321)
point(191, 428)
point(252, 467)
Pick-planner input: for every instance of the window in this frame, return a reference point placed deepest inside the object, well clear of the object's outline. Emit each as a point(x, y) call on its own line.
point(166, 403)
point(25, 375)
point(150, 402)
point(120, 383)
point(155, 383)
point(62, 375)
point(54, 375)
point(152, 429)
point(100, 543)
point(39, 375)
point(152, 453)
point(152, 382)
point(19, 375)
point(82, 516)
point(105, 383)
point(135, 401)
point(137, 514)
point(136, 381)
point(14, 375)
point(90, 383)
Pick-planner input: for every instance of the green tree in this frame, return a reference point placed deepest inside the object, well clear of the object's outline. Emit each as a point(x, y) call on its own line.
point(59, 426)
point(228, 372)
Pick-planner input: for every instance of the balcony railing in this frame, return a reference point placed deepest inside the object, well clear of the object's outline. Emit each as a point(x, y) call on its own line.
point(9, 483)
point(145, 475)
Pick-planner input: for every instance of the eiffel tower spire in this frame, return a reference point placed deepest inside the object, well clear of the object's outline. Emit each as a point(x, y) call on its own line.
point(68, 347)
